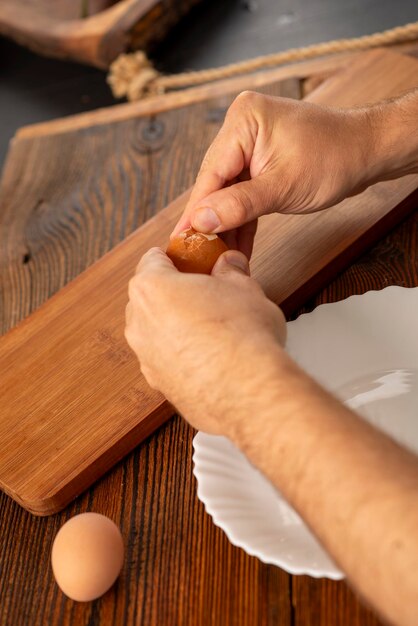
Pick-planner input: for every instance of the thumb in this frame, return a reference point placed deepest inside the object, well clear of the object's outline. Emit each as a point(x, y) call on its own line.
point(230, 263)
point(234, 206)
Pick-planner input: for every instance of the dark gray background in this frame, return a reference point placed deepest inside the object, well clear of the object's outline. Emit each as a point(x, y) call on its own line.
point(34, 89)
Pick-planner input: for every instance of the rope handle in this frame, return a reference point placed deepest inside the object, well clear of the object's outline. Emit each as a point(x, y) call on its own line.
point(133, 76)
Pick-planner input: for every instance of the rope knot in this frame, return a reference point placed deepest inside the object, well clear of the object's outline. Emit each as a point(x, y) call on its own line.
point(133, 76)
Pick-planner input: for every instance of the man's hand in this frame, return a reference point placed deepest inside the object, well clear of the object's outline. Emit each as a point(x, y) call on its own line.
point(212, 344)
point(276, 154)
point(206, 342)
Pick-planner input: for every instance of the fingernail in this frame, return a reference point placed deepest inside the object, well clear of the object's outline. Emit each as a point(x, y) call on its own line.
point(237, 260)
point(205, 220)
point(176, 230)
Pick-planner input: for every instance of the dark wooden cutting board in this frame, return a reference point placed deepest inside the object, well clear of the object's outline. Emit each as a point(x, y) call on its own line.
point(72, 400)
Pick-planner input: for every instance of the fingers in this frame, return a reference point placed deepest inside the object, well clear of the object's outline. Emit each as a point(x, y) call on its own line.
point(246, 235)
point(143, 289)
point(236, 205)
point(241, 238)
point(128, 313)
point(155, 260)
point(230, 263)
point(229, 154)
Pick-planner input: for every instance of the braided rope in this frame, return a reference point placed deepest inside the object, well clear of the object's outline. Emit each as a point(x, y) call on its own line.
point(133, 76)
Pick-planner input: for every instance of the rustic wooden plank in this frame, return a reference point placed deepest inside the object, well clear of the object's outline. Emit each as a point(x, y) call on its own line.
point(74, 386)
point(177, 562)
point(178, 567)
point(94, 187)
point(314, 71)
point(152, 497)
point(73, 393)
point(59, 29)
point(103, 182)
point(158, 104)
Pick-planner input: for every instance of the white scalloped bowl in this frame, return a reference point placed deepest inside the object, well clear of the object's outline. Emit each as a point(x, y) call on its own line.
point(365, 350)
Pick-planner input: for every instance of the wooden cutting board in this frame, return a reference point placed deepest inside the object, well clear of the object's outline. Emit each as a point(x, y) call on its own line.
point(73, 401)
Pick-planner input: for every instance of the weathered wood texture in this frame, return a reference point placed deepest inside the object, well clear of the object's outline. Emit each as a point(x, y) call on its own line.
point(93, 189)
point(165, 102)
point(97, 36)
point(311, 72)
point(179, 568)
point(74, 401)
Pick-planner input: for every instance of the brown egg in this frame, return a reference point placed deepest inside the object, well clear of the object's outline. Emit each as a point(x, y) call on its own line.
point(195, 252)
point(87, 556)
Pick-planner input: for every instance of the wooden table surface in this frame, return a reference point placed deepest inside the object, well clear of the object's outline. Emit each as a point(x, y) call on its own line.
point(179, 568)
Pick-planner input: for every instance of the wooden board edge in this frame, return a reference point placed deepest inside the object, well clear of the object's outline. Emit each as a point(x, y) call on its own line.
point(192, 95)
point(179, 200)
point(158, 104)
point(378, 229)
point(51, 503)
point(368, 239)
point(54, 502)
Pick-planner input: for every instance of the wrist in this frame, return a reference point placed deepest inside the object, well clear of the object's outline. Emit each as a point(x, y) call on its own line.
point(270, 400)
point(289, 415)
point(393, 148)
point(253, 397)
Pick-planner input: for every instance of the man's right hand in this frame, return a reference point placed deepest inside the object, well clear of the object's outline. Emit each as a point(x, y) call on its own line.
point(276, 154)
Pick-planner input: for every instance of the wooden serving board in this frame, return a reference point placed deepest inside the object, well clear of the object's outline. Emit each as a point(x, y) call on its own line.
point(73, 401)
point(90, 31)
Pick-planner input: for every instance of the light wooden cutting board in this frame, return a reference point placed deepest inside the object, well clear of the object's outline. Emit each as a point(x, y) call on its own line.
point(73, 401)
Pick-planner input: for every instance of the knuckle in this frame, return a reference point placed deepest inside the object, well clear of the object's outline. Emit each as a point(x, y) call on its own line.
point(130, 337)
point(150, 376)
point(239, 206)
point(127, 333)
point(135, 287)
point(132, 288)
point(246, 98)
point(142, 286)
point(205, 165)
point(128, 313)
point(241, 280)
point(246, 103)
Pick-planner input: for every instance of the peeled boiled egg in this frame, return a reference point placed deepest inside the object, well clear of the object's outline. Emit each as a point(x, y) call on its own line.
point(195, 252)
point(87, 556)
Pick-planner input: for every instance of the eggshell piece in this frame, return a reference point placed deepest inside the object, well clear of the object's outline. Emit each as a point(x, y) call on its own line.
point(195, 252)
point(87, 556)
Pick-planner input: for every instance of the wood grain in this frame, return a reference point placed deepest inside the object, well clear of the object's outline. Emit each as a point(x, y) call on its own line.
point(184, 97)
point(59, 29)
point(314, 72)
point(93, 189)
point(74, 396)
point(179, 567)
